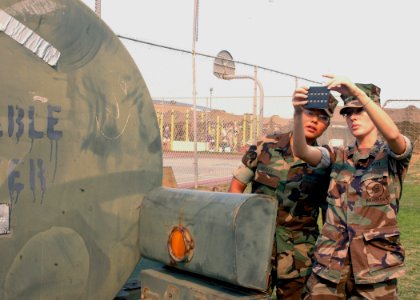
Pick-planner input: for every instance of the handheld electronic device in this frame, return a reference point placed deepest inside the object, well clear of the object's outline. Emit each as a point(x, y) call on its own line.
point(318, 97)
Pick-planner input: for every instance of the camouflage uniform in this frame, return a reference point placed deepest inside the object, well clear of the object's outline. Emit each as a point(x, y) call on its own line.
point(300, 190)
point(360, 241)
point(358, 254)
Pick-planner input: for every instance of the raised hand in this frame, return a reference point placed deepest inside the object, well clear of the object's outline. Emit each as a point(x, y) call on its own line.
point(300, 98)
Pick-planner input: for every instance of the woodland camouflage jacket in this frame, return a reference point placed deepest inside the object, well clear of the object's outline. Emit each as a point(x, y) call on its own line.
point(363, 200)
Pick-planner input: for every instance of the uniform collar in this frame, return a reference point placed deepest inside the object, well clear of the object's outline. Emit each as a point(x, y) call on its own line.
point(283, 144)
point(376, 148)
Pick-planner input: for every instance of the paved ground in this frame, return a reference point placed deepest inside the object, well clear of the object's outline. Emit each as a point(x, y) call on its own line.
point(212, 168)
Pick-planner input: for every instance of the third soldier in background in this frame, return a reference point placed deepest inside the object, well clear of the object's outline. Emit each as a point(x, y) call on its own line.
point(272, 168)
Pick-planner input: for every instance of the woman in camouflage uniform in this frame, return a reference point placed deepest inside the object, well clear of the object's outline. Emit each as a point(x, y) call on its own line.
point(358, 254)
point(273, 170)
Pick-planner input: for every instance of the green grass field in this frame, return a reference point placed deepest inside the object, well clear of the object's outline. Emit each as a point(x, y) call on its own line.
point(409, 222)
point(409, 285)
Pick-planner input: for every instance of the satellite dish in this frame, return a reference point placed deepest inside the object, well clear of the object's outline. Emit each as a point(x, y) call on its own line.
point(224, 65)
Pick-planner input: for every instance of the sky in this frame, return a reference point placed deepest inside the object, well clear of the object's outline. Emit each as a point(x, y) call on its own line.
point(369, 41)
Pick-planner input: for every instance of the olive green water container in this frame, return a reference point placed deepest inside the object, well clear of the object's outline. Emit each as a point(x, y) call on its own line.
point(79, 149)
point(226, 236)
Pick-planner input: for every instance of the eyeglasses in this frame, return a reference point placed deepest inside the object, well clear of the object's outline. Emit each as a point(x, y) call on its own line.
point(349, 112)
point(321, 117)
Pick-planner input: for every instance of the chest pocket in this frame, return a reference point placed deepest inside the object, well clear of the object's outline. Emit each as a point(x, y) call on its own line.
point(267, 175)
point(375, 188)
point(270, 173)
point(337, 190)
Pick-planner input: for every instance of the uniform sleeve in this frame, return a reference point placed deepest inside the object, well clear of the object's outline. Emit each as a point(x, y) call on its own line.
point(407, 153)
point(245, 171)
point(325, 159)
point(243, 174)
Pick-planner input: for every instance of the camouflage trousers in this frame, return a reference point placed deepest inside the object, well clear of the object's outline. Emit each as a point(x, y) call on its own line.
point(318, 288)
point(290, 265)
point(290, 289)
point(287, 289)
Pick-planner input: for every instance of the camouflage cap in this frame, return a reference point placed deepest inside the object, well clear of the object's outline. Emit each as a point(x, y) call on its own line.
point(371, 90)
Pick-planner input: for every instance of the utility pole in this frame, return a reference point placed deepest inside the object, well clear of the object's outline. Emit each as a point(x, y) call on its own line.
point(254, 110)
point(211, 94)
point(98, 7)
point(194, 92)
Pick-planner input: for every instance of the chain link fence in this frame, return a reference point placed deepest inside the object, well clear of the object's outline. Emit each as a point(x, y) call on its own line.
point(221, 140)
point(222, 137)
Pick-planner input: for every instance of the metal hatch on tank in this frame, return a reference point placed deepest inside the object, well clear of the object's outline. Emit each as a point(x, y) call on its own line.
point(80, 147)
point(81, 173)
